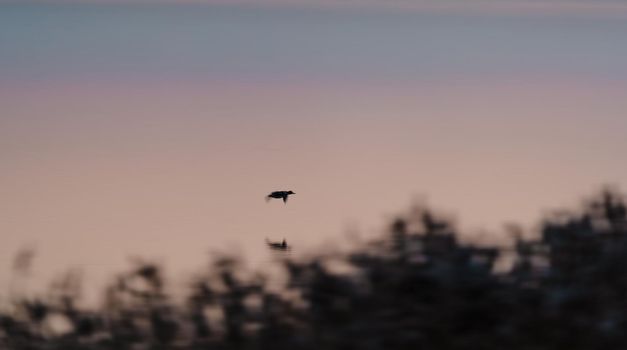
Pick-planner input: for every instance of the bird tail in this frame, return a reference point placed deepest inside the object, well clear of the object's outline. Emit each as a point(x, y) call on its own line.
point(270, 244)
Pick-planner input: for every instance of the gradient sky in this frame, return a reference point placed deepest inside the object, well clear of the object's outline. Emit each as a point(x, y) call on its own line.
point(156, 130)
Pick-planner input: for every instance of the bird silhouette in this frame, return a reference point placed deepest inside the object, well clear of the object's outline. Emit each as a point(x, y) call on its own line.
point(279, 194)
point(278, 246)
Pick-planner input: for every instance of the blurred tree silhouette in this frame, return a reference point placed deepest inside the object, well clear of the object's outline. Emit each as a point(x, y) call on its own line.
point(417, 286)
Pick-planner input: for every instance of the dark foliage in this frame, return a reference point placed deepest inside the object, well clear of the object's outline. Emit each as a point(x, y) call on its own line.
point(417, 287)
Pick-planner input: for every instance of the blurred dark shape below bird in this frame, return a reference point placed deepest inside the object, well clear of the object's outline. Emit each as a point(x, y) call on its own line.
point(278, 246)
point(279, 194)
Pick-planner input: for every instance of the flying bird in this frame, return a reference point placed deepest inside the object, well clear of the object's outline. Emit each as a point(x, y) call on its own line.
point(278, 246)
point(279, 194)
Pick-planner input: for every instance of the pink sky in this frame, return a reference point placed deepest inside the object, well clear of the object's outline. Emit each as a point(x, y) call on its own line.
point(157, 133)
point(99, 174)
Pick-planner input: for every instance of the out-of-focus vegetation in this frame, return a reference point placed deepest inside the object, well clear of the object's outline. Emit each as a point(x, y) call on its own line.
point(416, 287)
